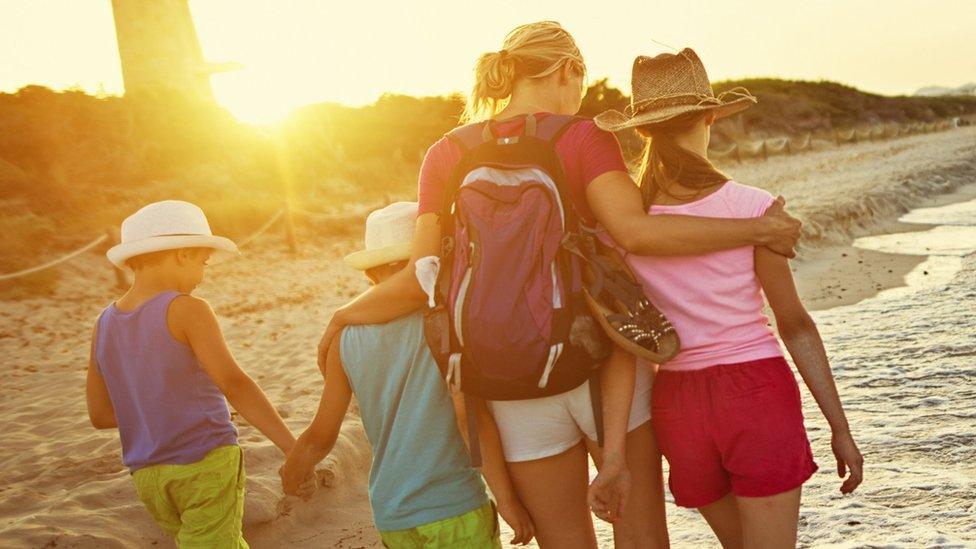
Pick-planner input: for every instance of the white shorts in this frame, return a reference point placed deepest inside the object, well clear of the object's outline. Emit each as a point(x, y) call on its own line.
point(548, 426)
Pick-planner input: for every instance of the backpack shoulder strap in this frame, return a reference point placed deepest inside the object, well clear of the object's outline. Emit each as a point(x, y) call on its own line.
point(549, 128)
point(468, 136)
point(552, 127)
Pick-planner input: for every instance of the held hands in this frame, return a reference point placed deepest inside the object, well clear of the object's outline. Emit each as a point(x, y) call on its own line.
point(297, 479)
point(608, 492)
point(782, 229)
point(848, 457)
point(295, 485)
point(515, 515)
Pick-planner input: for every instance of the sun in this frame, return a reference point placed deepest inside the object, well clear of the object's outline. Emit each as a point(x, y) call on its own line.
point(252, 101)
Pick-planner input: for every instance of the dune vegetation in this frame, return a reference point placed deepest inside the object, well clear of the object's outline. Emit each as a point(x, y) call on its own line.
point(74, 164)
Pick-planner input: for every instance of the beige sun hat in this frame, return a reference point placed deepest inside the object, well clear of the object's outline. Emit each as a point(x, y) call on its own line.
point(669, 85)
point(168, 225)
point(389, 236)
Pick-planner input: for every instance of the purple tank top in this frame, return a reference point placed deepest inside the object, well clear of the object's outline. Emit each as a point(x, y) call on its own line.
point(168, 409)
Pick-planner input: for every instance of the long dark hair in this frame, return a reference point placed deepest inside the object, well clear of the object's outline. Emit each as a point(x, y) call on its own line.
point(667, 163)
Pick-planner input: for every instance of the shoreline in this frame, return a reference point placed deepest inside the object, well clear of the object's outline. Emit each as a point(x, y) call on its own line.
point(843, 274)
point(844, 194)
point(64, 483)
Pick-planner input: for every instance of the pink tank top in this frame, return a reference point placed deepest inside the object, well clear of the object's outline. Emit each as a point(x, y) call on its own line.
point(714, 301)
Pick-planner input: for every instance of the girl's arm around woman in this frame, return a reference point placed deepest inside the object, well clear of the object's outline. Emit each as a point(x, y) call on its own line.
point(617, 204)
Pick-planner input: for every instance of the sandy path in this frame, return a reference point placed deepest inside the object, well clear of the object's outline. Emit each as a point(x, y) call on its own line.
point(63, 484)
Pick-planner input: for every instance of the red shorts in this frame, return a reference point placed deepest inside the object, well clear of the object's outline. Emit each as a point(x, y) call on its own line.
point(731, 428)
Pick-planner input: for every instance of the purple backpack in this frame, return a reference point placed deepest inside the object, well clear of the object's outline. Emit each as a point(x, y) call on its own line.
point(510, 321)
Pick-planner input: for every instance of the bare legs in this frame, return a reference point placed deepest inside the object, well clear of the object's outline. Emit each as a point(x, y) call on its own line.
point(770, 521)
point(742, 522)
point(723, 517)
point(553, 490)
point(643, 524)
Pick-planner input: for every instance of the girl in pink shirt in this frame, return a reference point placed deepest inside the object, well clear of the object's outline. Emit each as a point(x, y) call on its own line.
point(726, 410)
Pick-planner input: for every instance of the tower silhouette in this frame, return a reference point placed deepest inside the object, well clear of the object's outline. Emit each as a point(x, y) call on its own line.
point(159, 49)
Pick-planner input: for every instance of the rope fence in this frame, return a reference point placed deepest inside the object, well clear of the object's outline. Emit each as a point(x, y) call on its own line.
point(111, 235)
point(66, 257)
point(267, 225)
point(738, 151)
point(777, 146)
point(342, 217)
point(314, 215)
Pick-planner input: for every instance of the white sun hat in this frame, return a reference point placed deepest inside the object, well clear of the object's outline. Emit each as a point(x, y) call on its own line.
point(168, 225)
point(389, 236)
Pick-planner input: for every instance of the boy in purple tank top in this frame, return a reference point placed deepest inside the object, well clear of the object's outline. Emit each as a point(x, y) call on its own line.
point(160, 371)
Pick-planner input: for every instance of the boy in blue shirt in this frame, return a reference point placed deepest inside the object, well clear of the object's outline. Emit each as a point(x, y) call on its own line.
point(422, 489)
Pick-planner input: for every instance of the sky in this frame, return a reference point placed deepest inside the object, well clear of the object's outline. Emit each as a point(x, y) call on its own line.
point(296, 52)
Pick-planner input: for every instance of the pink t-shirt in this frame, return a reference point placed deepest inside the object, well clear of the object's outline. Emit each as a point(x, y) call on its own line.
point(586, 152)
point(714, 301)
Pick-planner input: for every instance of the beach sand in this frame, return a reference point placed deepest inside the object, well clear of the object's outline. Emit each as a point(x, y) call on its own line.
point(62, 484)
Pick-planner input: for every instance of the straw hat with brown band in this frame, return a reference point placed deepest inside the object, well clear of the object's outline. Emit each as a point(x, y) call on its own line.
point(669, 85)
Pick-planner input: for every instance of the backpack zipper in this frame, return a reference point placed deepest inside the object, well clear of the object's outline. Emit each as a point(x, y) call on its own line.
point(557, 297)
point(554, 352)
point(462, 296)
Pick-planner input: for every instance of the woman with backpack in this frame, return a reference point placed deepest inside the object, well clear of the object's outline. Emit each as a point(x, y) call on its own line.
point(726, 409)
point(524, 96)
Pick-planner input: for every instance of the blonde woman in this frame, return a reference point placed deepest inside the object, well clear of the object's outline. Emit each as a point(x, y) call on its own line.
point(539, 71)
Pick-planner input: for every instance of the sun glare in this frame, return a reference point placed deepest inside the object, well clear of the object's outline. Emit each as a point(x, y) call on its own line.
point(254, 105)
point(266, 95)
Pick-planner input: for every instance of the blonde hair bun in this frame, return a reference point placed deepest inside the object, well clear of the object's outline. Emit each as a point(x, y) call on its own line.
point(498, 69)
point(535, 50)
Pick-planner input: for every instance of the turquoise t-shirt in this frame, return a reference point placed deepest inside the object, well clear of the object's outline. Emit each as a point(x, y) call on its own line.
point(420, 471)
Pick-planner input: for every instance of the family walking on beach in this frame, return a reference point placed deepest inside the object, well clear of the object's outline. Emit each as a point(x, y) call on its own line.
point(534, 308)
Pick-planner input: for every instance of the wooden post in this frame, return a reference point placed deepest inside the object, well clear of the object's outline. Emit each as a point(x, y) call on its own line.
point(738, 153)
point(290, 237)
point(121, 279)
point(765, 153)
point(287, 174)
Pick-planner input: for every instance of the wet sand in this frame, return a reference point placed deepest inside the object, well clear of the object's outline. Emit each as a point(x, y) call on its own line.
point(63, 484)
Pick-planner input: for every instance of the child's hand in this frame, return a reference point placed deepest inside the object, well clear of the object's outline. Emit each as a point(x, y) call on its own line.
point(296, 481)
point(782, 229)
point(309, 486)
point(848, 457)
point(515, 515)
point(608, 493)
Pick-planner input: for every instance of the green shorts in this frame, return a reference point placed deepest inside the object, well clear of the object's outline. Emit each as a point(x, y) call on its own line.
point(200, 504)
point(476, 529)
